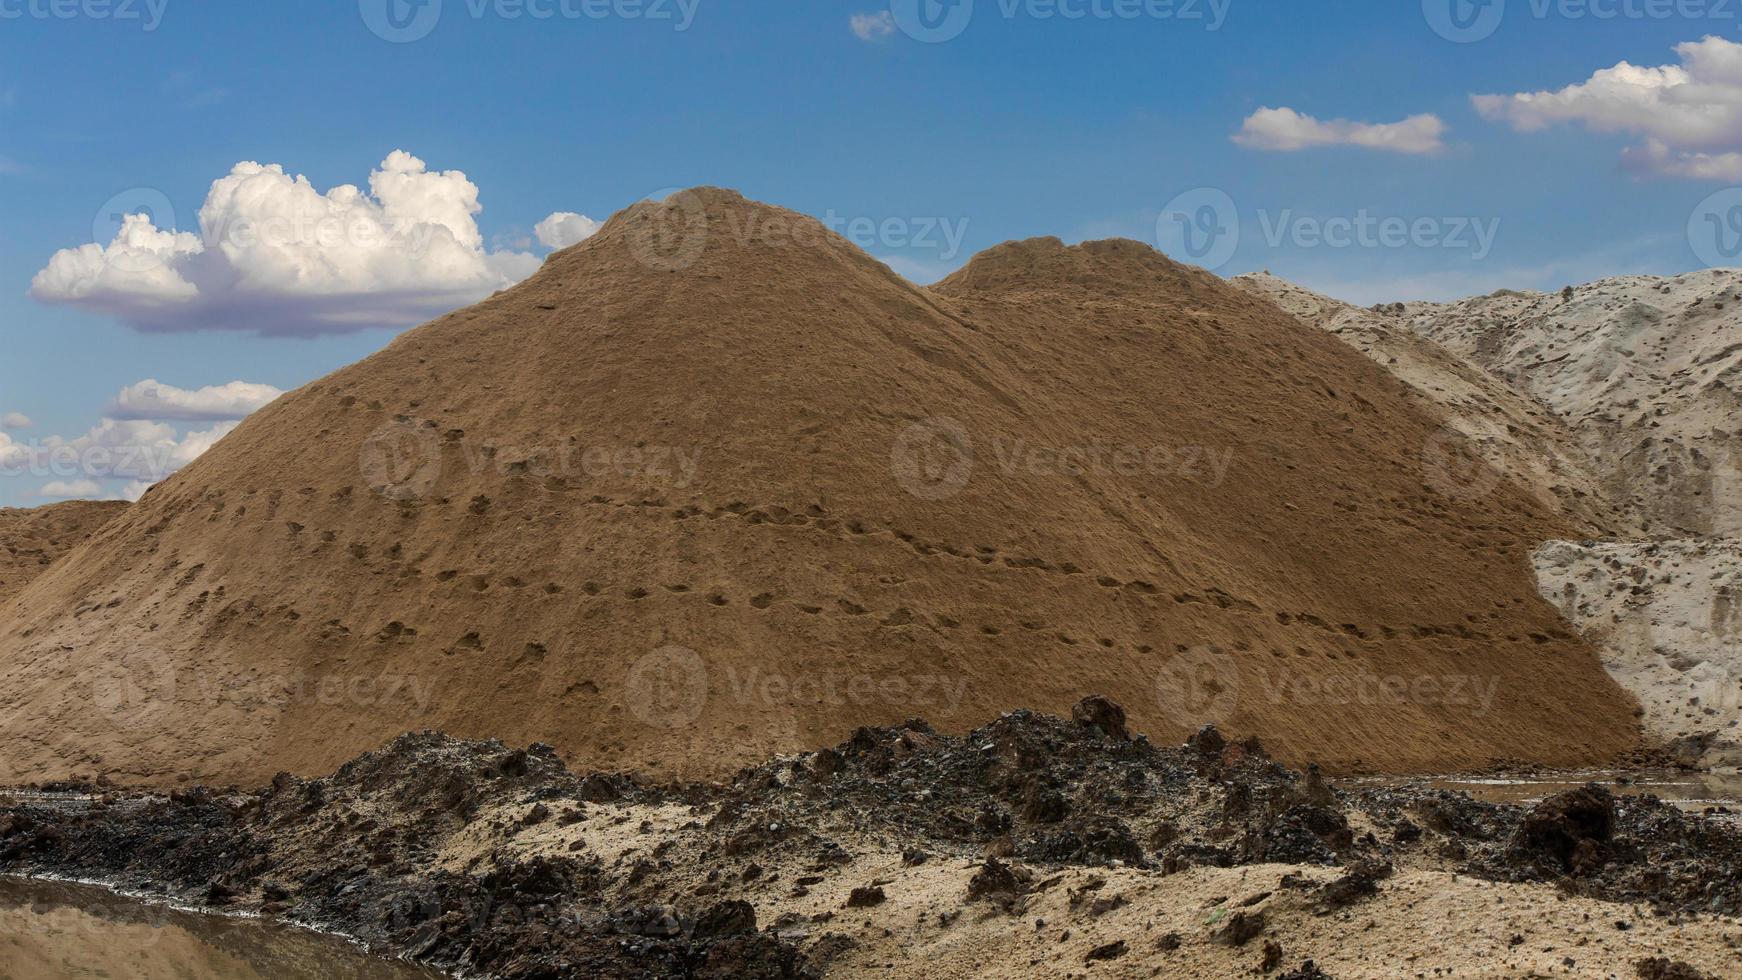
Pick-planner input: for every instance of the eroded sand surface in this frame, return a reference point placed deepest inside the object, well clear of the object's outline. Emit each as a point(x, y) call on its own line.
point(1668, 616)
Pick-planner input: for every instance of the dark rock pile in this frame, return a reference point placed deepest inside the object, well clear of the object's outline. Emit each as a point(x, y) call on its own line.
point(379, 850)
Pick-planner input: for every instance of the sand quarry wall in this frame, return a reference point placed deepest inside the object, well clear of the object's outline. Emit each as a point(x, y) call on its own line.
point(715, 483)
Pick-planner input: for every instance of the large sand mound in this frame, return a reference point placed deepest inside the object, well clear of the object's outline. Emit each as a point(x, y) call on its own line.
point(715, 483)
point(33, 539)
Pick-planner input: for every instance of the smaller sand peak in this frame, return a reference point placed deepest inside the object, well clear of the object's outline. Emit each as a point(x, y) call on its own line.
point(1118, 266)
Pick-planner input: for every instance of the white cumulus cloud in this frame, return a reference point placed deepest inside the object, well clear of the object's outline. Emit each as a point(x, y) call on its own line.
point(125, 448)
point(565, 228)
point(151, 399)
point(873, 27)
point(135, 441)
point(1687, 116)
point(275, 255)
point(69, 489)
point(15, 420)
point(1285, 130)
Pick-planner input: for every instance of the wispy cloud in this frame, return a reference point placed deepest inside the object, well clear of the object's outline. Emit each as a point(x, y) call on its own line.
point(1283, 130)
point(873, 27)
point(151, 399)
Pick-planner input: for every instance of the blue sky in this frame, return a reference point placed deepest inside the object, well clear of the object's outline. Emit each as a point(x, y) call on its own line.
point(1018, 125)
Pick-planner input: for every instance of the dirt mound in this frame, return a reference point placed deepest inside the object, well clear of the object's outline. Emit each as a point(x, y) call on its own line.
point(33, 539)
point(716, 484)
point(1516, 434)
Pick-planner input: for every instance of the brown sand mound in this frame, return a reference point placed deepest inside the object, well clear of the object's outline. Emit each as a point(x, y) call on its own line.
point(33, 539)
point(716, 483)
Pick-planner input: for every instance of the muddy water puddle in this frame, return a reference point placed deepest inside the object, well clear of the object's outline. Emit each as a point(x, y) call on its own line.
point(55, 931)
point(1692, 791)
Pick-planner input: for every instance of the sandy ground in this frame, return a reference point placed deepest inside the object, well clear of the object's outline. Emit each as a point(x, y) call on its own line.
point(56, 931)
point(1422, 923)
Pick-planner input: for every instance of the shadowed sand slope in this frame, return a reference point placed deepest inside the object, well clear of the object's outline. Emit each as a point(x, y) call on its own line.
point(715, 483)
point(1519, 436)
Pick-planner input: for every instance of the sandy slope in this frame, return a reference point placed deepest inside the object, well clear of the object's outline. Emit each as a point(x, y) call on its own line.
point(1518, 435)
point(35, 538)
point(1629, 394)
point(1648, 371)
point(715, 483)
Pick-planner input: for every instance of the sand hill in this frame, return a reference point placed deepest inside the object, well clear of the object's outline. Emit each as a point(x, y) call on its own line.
point(1516, 434)
point(33, 539)
point(715, 483)
point(1646, 369)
